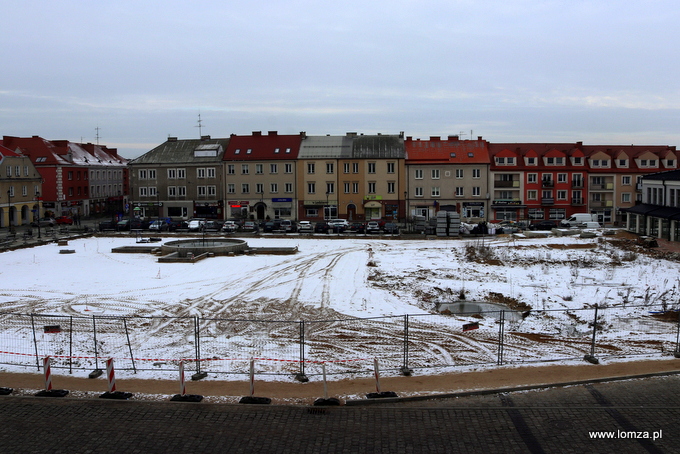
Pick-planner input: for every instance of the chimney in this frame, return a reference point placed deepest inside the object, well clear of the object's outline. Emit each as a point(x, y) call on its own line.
point(205, 137)
point(257, 133)
point(453, 138)
point(272, 133)
point(172, 139)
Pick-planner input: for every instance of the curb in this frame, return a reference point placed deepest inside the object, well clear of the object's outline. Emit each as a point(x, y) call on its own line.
point(483, 392)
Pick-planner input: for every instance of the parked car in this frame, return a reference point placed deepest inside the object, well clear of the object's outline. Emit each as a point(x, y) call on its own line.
point(544, 225)
point(372, 227)
point(509, 227)
point(321, 227)
point(250, 226)
point(159, 225)
point(44, 222)
point(107, 225)
point(391, 227)
point(123, 224)
point(230, 227)
point(196, 224)
point(271, 226)
point(288, 226)
point(173, 226)
point(139, 224)
point(64, 220)
point(357, 227)
point(305, 227)
point(212, 226)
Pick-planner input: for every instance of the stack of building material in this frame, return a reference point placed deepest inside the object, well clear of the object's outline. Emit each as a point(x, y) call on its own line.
point(419, 223)
point(442, 223)
point(454, 223)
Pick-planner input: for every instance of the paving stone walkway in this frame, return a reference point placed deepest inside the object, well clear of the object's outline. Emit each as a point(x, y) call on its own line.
point(552, 421)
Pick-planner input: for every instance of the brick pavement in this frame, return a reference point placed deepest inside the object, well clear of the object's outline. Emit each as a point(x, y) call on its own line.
point(552, 420)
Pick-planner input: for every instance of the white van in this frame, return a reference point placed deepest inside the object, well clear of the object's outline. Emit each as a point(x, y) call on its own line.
point(578, 218)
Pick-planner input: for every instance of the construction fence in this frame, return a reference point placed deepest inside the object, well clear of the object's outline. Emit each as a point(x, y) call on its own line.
point(405, 343)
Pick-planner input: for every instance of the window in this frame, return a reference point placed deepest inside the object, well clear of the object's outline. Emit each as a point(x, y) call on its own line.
point(435, 191)
point(460, 191)
point(212, 190)
point(532, 195)
point(24, 191)
point(245, 188)
point(330, 167)
point(70, 175)
point(347, 188)
point(418, 192)
point(346, 167)
point(371, 187)
point(550, 161)
point(172, 174)
point(273, 168)
point(182, 173)
point(152, 174)
point(561, 177)
point(201, 190)
point(288, 168)
point(670, 162)
point(273, 188)
point(536, 213)
point(578, 161)
point(476, 191)
point(476, 173)
point(355, 188)
point(531, 161)
point(561, 195)
point(152, 191)
point(390, 187)
point(259, 169)
point(330, 188)
point(390, 167)
point(371, 167)
point(259, 188)
point(355, 167)
point(70, 192)
point(459, 173)
point(311, 188)
point(418, 174)
point(532, 177)
point(9, 171)
point(625, 197)
point(576, 197)
point(626, 180)
point(210, 171)
point(26, 171)
point(200, 173)
point(559, 161)
point(623, 163)
point(547, 195)
point(244, 169)
point(435, 174)
point(142, 191)
point(289, 188)
point(231, 169)
point(231, 188)
point(311, 168)
point(181, 191)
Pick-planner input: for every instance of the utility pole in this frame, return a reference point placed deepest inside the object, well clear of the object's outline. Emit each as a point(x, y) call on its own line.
point(199, 126)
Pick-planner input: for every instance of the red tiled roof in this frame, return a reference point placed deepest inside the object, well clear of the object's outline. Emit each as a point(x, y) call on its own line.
point(258, 146)
point(449, 151)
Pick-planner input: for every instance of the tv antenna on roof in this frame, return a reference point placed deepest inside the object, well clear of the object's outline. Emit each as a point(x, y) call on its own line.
point(199, 126)
point(97, 134)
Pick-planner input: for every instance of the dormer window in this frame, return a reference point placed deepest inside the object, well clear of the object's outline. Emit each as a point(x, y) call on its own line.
point(276, 150)
point(531, 161)
point(238, 151)
point(250, 150)
point(670, 163)
point(578, 161)
point(623, 163)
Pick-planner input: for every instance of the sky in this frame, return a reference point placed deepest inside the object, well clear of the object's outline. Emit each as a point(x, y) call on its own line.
point(130, 74)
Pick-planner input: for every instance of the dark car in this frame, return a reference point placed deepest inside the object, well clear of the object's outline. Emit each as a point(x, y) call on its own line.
point(391, 227)
point(139, 224)
point(321, 227)
point(357, 227)
point(123, 224)
point(271, 226)
point(250, 226)
point(174, 226)
point(212, 226)
point(107, 225)
point(544, 225)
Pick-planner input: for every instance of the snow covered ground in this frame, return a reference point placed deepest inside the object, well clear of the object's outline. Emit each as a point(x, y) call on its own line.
point(553, 284)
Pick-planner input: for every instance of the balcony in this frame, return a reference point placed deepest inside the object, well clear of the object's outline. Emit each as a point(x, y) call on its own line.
point(576, 184)
point(546, 202)
point(602, 203)
point(506, 184)
point(548, 183)
point(577, 202)
point(602, 187)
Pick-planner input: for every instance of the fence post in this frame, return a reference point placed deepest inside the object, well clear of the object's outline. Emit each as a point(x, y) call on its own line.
point(404, 368)
point(300, 376)
point(70, 345)
point(35, 343)
point(676, 353)
point(591, 357)
point(127, 334)
point(197, 341)
point(97, 371)
point(501, 337)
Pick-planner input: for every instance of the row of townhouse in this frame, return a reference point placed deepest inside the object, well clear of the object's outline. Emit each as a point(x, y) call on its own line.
point(382, 176)
point(60, 178)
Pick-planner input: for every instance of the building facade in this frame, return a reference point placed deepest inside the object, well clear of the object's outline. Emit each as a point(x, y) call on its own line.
point(20, 189)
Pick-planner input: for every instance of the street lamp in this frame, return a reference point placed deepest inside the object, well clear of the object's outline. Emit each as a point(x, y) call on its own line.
point(37, 198)
point(9, 212)
point(326, 209)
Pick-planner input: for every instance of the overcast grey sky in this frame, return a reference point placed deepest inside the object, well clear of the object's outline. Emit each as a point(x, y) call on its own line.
point(510, 71)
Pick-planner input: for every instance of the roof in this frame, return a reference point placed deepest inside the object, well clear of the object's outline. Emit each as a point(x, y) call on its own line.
point(258, 147)
point(185, 151)
point(657, 211)
point(326, 147)
point(41, 151)
point(671, 175)
point(449, 151)
point(378, 147)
